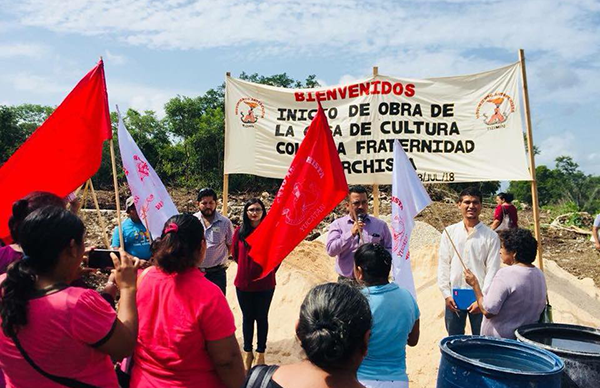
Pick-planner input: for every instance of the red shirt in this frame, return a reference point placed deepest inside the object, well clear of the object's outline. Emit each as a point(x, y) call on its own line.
point(178, 313)
point(509, 209)
point(248, 270)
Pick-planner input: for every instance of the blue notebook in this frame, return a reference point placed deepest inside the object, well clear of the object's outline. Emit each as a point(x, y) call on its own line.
point(463, 297)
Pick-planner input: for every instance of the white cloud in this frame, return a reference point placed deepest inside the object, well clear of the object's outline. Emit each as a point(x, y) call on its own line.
point(555, 146)
point(141, 97)
point(12, 50)
point(115, 59)
point(27, 82)
point(354, 26)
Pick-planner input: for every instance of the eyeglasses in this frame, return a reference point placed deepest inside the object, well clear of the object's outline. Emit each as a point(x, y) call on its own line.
point(255, 210)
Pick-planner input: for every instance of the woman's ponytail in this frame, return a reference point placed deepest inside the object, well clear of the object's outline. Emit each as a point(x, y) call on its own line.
point(16, 291)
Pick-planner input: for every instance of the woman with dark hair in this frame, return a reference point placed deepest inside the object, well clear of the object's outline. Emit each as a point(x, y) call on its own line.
point(187, 333)
point(254, 295)
point(21, 209)
point(517, 295)
point(505, 215)
point(52, 334)
point(333, 330)
point(395, 320)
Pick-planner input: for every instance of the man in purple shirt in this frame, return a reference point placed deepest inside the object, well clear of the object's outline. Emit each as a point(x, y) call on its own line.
point(347, 233)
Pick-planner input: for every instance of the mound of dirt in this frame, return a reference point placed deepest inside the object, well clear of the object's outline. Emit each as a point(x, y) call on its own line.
point(574, 301)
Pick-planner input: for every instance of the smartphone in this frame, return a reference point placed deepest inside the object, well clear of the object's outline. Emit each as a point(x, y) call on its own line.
point(100, 258)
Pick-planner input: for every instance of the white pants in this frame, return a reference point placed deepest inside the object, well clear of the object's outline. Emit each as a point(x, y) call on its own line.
point(384, 384)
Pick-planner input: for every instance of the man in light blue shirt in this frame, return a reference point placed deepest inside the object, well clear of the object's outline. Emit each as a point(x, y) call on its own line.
point(136, 238)
point(218, 232)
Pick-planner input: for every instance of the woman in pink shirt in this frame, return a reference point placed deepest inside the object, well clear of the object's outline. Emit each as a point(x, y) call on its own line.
point(186, 330)
point(254, 295)
point(21, 209)
point(54, 335)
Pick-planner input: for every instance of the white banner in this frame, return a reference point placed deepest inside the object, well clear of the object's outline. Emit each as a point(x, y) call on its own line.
point(454, 129)
point(152, 201)
point(409, 197)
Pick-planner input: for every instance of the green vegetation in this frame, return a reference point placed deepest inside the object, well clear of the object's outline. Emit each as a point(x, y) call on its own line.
point(186, 150)
point(562, 190)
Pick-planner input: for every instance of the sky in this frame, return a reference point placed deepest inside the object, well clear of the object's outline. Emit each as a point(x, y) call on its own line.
point(156, 50)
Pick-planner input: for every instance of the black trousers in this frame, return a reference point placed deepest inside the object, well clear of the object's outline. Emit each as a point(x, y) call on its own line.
point(219, 277)
point(255, 308)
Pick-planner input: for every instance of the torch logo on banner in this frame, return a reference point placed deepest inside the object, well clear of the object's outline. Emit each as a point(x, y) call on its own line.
point(142, 167)
point(494, 109)
point(247, 113)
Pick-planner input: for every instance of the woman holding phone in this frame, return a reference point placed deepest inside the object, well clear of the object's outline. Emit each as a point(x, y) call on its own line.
point(51, 332)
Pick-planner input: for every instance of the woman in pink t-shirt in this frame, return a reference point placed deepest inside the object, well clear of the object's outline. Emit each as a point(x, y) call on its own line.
point(54, 335)
point(186, 329)
point(21, 209)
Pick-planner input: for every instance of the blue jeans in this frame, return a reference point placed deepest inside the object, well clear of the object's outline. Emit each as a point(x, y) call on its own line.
point(456, 322)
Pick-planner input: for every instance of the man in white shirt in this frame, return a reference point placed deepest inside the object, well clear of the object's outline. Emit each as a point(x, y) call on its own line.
point(479, 247)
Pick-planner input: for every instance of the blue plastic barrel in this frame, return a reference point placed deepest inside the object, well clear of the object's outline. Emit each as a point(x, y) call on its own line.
point(478, 361)
point(577, 346)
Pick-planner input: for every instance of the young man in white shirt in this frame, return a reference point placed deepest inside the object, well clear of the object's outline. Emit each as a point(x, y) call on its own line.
point(479, 247)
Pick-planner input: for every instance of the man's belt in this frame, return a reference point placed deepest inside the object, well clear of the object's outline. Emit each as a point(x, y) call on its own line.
point(216, 268)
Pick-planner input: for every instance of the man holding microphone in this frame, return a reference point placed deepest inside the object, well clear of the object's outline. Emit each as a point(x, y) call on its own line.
point(347, 233)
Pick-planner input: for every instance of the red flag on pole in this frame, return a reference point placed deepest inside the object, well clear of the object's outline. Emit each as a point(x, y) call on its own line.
point(64, 152)
point(314, 185)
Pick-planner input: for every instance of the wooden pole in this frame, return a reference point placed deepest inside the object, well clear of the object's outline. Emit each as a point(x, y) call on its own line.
point(99, 213)
point(376, 200)
point(84, 196)
point(225, 176)
point(449, 238)
point(534, 191)
point(375, 187)
point(116, 184)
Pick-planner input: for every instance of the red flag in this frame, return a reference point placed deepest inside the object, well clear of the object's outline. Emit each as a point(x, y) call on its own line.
point(312, 188)
point(64, 152)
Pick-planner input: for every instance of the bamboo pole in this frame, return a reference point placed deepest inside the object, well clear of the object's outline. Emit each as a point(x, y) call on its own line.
point(534, 191)
point(376, 200)
point(375, 187)
point(84, 195)
point(100, 218)
point(462, 262)
point(116, 184)
point(225, 176)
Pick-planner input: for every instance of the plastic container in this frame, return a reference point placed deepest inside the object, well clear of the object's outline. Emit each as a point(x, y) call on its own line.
point(478, 361)
point(463, 297)
point(577, 346)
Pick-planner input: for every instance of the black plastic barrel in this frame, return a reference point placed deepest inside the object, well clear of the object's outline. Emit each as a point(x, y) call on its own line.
point(577, 346)
point(477, 361)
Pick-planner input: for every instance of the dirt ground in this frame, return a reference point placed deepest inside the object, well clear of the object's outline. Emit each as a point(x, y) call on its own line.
point(570, 261)
point(570, 250)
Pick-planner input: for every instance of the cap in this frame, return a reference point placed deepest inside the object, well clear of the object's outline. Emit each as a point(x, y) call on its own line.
point(129, 203)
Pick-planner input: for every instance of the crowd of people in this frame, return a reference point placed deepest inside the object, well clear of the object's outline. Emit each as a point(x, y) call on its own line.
point(172, 325)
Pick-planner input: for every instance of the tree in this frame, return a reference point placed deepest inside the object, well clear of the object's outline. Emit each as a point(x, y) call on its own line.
point(17, 123)
point(487, 188)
